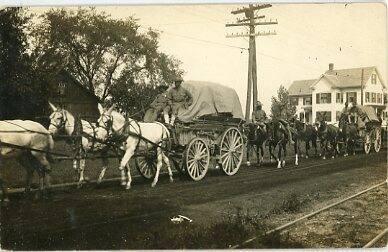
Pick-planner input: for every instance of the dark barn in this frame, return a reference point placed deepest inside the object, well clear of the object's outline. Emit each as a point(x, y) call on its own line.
point(69, 94)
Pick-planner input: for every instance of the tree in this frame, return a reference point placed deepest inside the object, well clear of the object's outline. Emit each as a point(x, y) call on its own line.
point(22, 90)
point(110, 57)
point(281, 107)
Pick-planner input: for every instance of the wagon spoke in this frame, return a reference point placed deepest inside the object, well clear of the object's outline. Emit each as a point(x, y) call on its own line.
point(202, 165)
point(235, 156)
point(223, 155)
point(202, 157)
point(235, 139)
point(227, 163)
point(238, 146)
point(196, 169)
point(190, 161)
point(203, 151)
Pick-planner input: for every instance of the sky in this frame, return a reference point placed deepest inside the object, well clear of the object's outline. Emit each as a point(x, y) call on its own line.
point(309, 37)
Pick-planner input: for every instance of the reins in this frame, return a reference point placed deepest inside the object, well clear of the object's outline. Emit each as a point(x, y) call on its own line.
point(25, 129)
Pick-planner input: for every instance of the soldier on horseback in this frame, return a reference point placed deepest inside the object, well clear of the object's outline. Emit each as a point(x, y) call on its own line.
point(259, 117)
point(345, 114)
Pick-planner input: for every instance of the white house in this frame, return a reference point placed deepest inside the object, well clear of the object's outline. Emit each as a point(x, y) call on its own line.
point(300, 93)
point(332, 89)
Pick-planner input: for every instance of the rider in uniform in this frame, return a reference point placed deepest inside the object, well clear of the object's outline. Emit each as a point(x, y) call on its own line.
point(345, 116)
point(178, 98)
point(259, 116)
point(157, 106)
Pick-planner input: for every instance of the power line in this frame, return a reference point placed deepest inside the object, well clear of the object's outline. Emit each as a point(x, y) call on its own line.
point(197, 39)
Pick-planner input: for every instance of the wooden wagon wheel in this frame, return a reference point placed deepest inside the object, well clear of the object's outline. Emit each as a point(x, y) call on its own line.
point(197, 158)
point(231, 151)
point(367, 142)
point(377, 140)
point(146, 165)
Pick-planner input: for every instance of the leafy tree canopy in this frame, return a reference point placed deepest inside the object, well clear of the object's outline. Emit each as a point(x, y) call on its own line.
point(23, 92)
point(281, 107)
point(110, 57)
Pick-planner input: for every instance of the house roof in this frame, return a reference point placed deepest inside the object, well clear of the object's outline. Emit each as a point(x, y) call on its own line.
point(301, 87)
point(345, 78)
point(68, 75)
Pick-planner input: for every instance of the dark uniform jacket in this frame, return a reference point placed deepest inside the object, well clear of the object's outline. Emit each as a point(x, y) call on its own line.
point(179, 95)
point(160, 102)
point(259, 116)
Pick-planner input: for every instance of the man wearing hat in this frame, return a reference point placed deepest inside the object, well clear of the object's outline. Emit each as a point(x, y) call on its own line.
point(259, 116)
point(177, 98)
point(158, 105)
point(345, 112)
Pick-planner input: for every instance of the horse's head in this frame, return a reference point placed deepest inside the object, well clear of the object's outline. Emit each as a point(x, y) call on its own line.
point(254, 133)
point(58, 119)
point(105, 120)
point(297, 124)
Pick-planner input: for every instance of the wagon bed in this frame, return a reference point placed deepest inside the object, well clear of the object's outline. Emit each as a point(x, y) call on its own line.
point(209, 132)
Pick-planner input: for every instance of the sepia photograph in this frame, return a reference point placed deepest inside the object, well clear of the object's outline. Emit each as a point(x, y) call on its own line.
point(199, 125)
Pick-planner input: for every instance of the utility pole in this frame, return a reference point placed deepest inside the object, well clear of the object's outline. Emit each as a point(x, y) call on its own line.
point(250, 20)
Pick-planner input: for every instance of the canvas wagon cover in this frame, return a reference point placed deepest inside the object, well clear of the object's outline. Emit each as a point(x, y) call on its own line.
point(367, 110)
point(210, 98)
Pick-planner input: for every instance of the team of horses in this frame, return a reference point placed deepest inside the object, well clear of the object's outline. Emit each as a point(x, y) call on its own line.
point(334, 140)
point(31, 144)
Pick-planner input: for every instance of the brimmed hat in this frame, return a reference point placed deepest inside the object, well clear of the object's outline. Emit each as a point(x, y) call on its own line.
point(178, 79)
point(258, 103)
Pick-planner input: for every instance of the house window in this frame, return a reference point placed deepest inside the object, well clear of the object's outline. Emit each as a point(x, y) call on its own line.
point(307, 101)
point(326, 115)
point(367, 97)
point(339, 98)
point(351, 97)
point(61, 88)
point(385, 98)
point(294, 101)
point(379, 98)
point(373, 97)
point(325, 97)
point(373, 79)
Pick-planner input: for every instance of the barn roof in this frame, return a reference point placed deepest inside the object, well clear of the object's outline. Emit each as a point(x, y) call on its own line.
point(301, 87)
point(68, 75)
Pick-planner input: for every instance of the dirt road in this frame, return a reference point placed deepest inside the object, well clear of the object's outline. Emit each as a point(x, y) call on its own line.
point(109, 217)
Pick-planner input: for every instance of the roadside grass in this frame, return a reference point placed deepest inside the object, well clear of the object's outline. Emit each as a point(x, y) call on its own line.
point(291, 204)
point(233, 228)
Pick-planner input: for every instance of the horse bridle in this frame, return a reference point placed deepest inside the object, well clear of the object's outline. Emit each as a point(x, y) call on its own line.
point(108, 124)
point(63, 120)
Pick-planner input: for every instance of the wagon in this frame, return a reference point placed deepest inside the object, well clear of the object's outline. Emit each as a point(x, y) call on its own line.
point(208, 134)
point(369, 128)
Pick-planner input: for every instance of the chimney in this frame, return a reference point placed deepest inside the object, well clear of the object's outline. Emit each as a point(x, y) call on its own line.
point(331, 66)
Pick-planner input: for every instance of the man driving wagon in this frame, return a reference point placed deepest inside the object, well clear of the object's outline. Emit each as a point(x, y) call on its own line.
point(157, 106)
point(177, 98)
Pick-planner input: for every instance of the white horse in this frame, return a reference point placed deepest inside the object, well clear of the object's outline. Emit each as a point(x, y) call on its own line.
point(155, 132)
point(34, 140)
point(63, 120)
